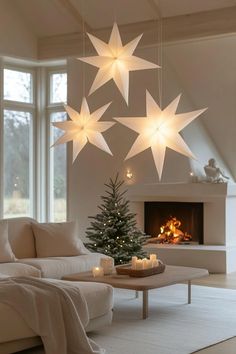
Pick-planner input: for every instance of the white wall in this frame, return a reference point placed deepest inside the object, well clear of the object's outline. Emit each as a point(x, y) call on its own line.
point(207, 71)
point(185, 69)
point(16, 39)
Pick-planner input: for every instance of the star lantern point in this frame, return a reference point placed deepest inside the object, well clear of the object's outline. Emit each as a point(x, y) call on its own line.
point(160, 129)
point(84, 127)
point(115, 61)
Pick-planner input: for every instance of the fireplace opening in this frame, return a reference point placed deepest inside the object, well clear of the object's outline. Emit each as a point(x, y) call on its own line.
point(174, 222)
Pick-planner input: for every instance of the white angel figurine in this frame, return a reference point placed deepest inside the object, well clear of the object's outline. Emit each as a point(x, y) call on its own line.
point(214, 173)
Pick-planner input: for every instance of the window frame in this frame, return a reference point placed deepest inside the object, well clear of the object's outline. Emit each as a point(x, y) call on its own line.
point(40, 109)
point(53, 108)
point(20, 107)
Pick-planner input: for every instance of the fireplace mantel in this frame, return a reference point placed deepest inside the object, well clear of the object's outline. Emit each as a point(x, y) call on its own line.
point(181, 191)
point(219, 200)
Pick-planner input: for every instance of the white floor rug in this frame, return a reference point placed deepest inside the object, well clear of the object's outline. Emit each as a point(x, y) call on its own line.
point(173, 326)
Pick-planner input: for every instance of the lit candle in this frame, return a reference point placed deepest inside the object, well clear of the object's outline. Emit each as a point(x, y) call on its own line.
point(139, 264)
point(145, 263)
point(153, 257)
point(133, 262)
point(107, 264)
point(97, 272)
point(193, 178)
point(149, 263)
point(155, 263)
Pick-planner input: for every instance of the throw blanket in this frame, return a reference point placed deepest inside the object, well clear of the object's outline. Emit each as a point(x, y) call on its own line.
point(54, 310)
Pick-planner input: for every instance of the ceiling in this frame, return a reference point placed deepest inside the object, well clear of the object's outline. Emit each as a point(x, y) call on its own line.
point(56, 17)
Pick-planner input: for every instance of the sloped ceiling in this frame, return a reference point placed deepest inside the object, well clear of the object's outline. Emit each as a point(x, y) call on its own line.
point(56, 17)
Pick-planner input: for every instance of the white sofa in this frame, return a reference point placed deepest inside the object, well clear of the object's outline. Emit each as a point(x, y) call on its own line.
point(22, 241)
point(15, 335)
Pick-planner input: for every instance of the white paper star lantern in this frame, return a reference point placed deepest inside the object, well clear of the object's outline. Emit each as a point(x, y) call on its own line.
point(159, 130)
point(84, 127)
point(115, 61)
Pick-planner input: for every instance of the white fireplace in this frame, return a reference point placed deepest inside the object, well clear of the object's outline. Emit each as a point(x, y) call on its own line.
point(218, 251)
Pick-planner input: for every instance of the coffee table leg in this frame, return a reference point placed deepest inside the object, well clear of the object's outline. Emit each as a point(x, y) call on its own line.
point(145, 304)
point(136, 294)
point(189, 292)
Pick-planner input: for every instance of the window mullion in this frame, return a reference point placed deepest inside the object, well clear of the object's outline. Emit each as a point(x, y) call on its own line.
point(18, 106)
point(1, 141)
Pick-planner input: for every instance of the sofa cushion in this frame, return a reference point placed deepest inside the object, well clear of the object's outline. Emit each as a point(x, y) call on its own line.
point(12, 325)
point(21, 237)
point(99, 298)
point(56, 240)
point(19, 270)
point(57, 267)
point(6, 254)
point(3, 276)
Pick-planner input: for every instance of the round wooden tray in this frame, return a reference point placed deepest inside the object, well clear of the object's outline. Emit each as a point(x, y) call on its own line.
point(126, 269)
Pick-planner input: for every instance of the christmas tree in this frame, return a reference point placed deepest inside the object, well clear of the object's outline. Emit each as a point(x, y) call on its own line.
point(113, 231)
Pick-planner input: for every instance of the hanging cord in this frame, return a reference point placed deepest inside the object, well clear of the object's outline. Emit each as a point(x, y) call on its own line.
point(156, 7)
point(114, 12)
point(83, 66)
point(83, 50)
point(160, 62)
point(159, 52)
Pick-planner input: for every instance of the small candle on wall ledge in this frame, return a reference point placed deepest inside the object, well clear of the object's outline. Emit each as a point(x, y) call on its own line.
point(97, 272)
point(193, 177)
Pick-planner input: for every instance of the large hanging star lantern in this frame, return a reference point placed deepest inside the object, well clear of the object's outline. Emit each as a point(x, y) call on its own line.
point(83, 128)
point(159, 130)
point(115, 61)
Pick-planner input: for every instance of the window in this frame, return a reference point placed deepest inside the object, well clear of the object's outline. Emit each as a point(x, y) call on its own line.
point(32, 173)
point(58, 87)
point(18, 86)
point(18, 116)
point(58, 168)
point(17, 163)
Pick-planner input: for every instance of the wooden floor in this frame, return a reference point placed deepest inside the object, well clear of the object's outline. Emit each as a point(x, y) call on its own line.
point(227, 281)
point(214, 280)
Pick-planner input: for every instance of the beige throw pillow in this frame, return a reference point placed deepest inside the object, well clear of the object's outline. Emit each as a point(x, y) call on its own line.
point(56, 240)
point(6, 254)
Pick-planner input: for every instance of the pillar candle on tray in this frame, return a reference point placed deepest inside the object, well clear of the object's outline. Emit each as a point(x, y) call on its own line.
point(154, 260)
point(139, 264)
point(133, 262)
point(97, 272)
point(145, 263)
point(153, 257)
point(155, 263)
point(149, 263)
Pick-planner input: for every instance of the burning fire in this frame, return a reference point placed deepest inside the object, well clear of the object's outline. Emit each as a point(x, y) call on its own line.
point(171, 233)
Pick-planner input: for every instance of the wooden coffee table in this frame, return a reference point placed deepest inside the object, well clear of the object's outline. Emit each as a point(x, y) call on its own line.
point(171, 275)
